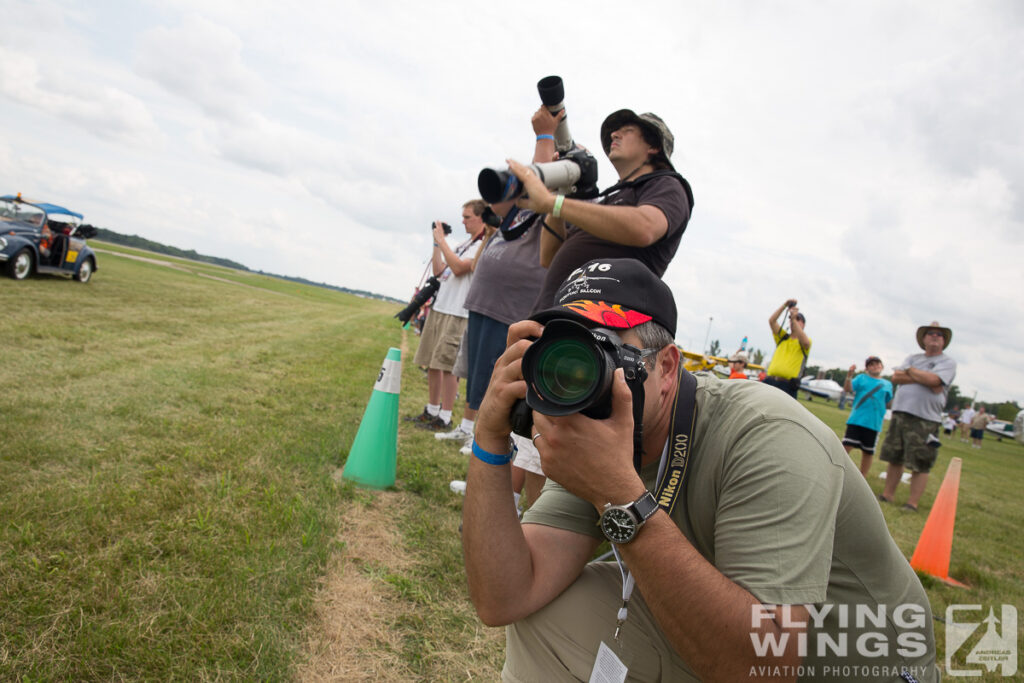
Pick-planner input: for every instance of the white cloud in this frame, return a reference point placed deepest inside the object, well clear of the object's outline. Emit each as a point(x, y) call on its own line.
point(202, 62)
point(101, 109)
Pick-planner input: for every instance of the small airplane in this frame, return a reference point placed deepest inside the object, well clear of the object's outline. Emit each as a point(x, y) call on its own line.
point(828, 389)
point(696, 362)
point(1001, 428)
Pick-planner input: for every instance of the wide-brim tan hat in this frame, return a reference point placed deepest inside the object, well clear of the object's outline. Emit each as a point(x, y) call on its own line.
point(947, 333)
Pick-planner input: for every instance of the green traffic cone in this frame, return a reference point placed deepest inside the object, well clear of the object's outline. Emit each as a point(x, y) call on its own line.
point(371, 460)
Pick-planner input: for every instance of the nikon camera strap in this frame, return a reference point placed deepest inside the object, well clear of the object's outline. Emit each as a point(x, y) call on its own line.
point(673, 474)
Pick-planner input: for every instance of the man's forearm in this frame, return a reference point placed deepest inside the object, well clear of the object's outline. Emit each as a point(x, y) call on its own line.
point(494, 548)
point(706, 616)
point(634, 226)
point(458, 265)
point(928, 379)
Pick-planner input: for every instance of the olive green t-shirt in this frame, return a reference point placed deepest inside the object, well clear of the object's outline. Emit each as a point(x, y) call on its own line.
point(775, 503)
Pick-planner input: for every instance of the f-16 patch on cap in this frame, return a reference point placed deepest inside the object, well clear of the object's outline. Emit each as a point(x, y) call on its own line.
point(613, 293)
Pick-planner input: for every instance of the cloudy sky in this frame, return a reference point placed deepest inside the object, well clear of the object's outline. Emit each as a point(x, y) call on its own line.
point(865, 158)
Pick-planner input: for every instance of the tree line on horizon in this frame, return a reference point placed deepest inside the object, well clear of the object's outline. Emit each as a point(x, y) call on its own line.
point(138, 242)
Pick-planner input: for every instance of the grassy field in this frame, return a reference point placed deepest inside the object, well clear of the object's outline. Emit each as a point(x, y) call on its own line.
point(170, 440)
point(167, 504)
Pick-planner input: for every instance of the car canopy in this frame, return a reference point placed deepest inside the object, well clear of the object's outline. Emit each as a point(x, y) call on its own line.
point(48, 208)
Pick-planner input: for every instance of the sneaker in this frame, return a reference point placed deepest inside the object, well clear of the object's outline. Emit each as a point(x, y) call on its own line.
point(419, 419)
point(467, 449)
point(458, 433)
point(458, 486)
point(436, 424)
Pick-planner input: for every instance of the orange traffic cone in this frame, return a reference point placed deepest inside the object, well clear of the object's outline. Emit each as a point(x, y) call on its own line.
point(936, 543)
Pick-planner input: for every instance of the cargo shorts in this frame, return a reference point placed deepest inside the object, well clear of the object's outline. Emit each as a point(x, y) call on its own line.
point(912, 441)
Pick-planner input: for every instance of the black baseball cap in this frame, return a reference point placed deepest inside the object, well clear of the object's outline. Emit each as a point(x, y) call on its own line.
point(872, 359)
point(613, 293)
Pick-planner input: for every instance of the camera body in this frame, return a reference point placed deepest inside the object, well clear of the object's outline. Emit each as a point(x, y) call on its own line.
point(444, 226)
point(570, 369)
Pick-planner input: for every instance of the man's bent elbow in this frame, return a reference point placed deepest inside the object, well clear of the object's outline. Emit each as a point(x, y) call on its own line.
point(493, 614)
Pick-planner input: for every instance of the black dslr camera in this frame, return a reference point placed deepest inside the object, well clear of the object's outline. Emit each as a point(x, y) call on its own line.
point(444, 226)
point(569, 370)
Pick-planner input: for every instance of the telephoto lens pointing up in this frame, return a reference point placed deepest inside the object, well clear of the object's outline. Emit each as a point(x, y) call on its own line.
point(552, 95)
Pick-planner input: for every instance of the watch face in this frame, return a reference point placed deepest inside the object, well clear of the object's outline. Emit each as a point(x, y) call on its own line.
point(618, 525)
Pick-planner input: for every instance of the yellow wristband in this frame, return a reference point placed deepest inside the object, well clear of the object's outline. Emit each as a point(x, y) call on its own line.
point(556, 210)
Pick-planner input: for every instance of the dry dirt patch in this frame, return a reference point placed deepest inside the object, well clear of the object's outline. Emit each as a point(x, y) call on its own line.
point(349, 639)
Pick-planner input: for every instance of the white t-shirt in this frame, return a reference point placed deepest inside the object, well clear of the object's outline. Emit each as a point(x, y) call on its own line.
point(967, 416)
point(454, 288)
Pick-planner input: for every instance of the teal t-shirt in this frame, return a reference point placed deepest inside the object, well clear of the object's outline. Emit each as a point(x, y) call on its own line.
point(869, 412)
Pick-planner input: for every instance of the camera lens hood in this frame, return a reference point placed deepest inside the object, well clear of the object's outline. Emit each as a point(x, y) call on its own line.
point(551, 91)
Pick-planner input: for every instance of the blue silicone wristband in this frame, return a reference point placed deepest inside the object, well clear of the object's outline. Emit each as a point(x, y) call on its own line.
point(545, 136)
point(490, 458)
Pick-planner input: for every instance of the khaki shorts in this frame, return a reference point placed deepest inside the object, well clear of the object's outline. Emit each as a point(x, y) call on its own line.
point(439, 343)
point(559, 642)
point(907, 442)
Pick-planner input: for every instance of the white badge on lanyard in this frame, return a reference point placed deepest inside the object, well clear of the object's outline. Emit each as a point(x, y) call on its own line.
point(608, 668)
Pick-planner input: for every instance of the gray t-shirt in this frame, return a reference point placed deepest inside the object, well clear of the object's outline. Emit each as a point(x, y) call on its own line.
point(918, 399)
point(775, 503)
point(508, 275)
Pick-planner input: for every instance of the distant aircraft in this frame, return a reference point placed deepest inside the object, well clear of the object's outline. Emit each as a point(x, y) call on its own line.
point(828, 389)
point(695, 362)
point(1002, 428)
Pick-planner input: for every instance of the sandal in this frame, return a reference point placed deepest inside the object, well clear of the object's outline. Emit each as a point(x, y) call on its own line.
point(884, 499)
point(908, 507)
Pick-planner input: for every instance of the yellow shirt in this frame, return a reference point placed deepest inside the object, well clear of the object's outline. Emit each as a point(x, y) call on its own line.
point(788, 359)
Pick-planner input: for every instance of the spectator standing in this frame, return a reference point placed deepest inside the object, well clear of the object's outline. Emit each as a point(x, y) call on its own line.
point(965, 422)
point(978, 424)
point(738, 365)
point(447, 320)
point(923, 382)
point(791, 349)
point(872, 395)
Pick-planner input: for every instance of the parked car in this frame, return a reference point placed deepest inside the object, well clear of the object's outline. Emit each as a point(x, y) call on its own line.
point(44, 238)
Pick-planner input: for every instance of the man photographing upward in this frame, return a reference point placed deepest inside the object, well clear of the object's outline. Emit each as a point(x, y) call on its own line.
point(791, 349)
point(643, 216)
point(766, 510)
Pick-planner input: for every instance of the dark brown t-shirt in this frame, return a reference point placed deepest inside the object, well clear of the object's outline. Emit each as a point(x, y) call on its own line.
point(665, 193)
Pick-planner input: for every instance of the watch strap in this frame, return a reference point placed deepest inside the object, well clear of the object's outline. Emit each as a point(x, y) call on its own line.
point(645, 506)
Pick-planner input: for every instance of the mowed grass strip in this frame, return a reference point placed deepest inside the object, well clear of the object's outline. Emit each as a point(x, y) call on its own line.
point(166, 445)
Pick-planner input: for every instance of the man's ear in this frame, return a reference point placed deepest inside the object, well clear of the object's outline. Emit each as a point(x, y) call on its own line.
point(668, 361)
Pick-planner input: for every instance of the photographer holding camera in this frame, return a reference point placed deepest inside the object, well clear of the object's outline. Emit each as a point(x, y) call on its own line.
point(446, 322)
point(643, 216)
point(742, 502)
point(791, 349)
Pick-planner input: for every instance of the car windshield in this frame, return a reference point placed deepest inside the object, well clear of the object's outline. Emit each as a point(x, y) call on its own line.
point(18, 211)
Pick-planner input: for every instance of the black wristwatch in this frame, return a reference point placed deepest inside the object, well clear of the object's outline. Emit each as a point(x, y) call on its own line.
point(621, 523)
